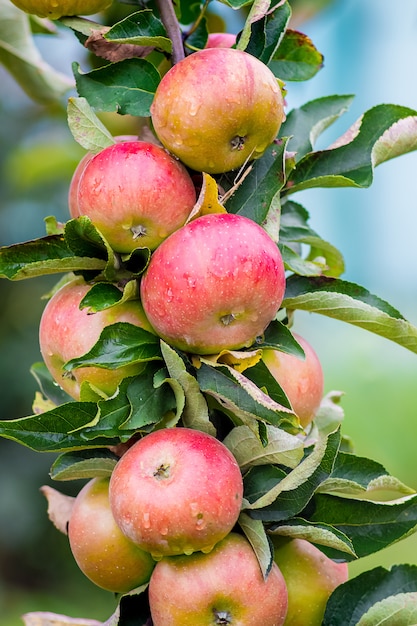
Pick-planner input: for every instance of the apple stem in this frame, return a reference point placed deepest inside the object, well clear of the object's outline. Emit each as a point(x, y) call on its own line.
point(169, 20)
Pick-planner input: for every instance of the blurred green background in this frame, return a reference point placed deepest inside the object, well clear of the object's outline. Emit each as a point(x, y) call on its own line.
point(367, 52)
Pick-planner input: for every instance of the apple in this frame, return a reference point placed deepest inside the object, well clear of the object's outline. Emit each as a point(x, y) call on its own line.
point(217, 109)
point(175, 491)
point(135, 193)
point(310, 577)
point(102, 552)
point(67, 332)
point(301, 379)
point(220, 40)
point(214, 284)
point(225, 586)
point(54, 9)
point(73, 186)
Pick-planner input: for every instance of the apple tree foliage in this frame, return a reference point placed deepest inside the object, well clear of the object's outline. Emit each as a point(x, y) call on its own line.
point(314, 486)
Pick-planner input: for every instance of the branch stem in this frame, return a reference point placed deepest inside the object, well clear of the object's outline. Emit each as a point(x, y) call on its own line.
point(169, 20)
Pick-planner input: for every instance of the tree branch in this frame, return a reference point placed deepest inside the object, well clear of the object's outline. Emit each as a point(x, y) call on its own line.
point(169, 20)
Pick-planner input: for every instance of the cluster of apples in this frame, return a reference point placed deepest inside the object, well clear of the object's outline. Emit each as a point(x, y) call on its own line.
point(168, 515)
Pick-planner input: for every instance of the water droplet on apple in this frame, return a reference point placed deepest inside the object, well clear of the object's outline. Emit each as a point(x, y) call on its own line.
point(207, 549)
point(191, 282)
point(194, 508)
point(164, 530)
point(188, 550)
point(157, 556)
point(169, 295)
point(200, 523)
point(146, 521)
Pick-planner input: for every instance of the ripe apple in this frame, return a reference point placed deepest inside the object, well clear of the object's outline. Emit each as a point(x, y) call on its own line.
point(102, 552)
point(220, 40)
point(216, 283)
point(301, 379)
point(217, 109)
point(67, 332)
point(54, 9)
point(135, 193)
point(73, 186)
point(310, 577)
point(175, 491)
point(223, 587)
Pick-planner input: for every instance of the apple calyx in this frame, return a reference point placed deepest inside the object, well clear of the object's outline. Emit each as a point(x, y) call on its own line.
point(238, 142)
point(228, 318)
point(162, 472)
point(138, 231)
point(222, 618)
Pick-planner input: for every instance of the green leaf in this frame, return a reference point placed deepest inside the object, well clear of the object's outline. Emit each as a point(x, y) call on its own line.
point(371, 526)
point(142, 29)
point(82, 464)
point(305, 124)
point(281, 449)
point(38, 257)
point(242, 398)
point(330, 540)
point(351, 600)
point(264, 30)
point(350, 303)
point(22, 59)
point(296, 58)
point(47, 384)
point(125, 87)
point(360, 477)
point(86, 128)
point(195, 413)
point(255, 533)
point(394, 610)
point(279, 337)
point(291, 492)
point(350, 161)
point(119, 344)
point(258, 196)
point(103, 296)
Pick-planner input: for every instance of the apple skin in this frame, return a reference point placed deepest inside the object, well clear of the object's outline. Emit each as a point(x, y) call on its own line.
point(73, 186)
point(54, 9)
point(175, 491)
point(301, 379)
point(214, 284)
point(102, 552)
point(136, 194)
point(217, 109)
point(310, 577)
point(220, 40)
point(225, 586)
point(67, 332)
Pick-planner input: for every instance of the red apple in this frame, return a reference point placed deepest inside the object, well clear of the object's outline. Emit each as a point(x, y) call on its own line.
point(67, 332)
point(214, 284)
point(217, 109)
point(220, 40)
point(102, 552)
point(135, 193)
point(73, 186)
point(223, 587)
point(310, 577)
point(175, 491)
point(301, 379)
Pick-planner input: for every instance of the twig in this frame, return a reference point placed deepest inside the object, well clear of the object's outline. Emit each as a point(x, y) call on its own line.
point(169, 20)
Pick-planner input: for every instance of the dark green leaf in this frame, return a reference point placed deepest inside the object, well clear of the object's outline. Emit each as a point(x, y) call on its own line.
point(296, 58)
point(119, 344)
point(46, 255)
point(142, 29)
point(293, 492)
point(125, 87)
point(267, 32)
point(83, 464)
point(305, 124)
point(350, 601)
point(349, 163)
point(50, 389)
point(279, 337)
point(350, 303)
point(371, 526)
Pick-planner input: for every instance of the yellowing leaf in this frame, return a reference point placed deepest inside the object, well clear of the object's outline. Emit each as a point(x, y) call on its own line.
point(208, 199)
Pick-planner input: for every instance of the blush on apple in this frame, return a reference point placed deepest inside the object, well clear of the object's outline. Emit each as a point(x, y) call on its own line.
point(220, 588)
point(310, 577)
point(135, 193)
point(214, 284)
point(301, 379)
point(175, 491)
point(102, 552)
point(220, 40)
point(67, 332)
point(217, 109)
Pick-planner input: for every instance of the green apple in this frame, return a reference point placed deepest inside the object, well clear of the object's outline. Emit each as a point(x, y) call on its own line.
point(54, 9)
